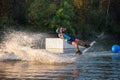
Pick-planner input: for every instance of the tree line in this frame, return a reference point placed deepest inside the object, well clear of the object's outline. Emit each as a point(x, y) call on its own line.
point(80, 17)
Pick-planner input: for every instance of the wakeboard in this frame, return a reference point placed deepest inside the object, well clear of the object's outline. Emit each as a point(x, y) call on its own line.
point(91, 44)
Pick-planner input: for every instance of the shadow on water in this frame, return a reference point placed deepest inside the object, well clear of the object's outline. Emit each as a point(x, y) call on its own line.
point(99, 66)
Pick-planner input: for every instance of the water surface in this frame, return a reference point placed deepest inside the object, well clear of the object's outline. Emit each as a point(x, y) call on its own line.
point(89, 66)
point(21, 58)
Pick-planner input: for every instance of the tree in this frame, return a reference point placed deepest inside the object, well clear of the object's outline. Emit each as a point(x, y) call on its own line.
point(40, 13)
point(64, 16)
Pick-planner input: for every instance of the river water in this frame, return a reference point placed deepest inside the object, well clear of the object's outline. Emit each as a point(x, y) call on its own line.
point(89, 66)
point(21, 59)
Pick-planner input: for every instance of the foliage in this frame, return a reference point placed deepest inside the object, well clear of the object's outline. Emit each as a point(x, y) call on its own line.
point(93, 16)
point(40, 14)
point(6, 22)
point(64, 16)
point(80, 17)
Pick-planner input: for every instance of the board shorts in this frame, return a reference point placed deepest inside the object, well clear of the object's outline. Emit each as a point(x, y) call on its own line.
point(71, 40)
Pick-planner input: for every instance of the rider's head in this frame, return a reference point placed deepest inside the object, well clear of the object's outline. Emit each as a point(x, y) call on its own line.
point(60, 30)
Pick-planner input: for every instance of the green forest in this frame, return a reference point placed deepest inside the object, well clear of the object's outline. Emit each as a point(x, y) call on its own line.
point(80, 17)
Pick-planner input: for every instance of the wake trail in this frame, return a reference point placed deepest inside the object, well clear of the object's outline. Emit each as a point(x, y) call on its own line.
point(18, 45)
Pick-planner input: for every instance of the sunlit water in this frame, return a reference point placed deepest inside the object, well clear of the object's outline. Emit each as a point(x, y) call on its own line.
point(89, 66)
point(21, 59)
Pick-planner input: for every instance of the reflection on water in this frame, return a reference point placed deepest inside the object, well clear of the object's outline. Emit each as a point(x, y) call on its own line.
point(89, 66)
point(33, 70)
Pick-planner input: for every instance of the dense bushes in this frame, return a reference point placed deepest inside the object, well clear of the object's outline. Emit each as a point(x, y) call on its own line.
point(80, 17)
point(64, 17)
point(40, 14)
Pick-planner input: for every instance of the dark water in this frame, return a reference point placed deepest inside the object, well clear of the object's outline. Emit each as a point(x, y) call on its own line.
point(89, 66)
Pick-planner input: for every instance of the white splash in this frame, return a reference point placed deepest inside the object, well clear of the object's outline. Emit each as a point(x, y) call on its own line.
point(23, 46)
